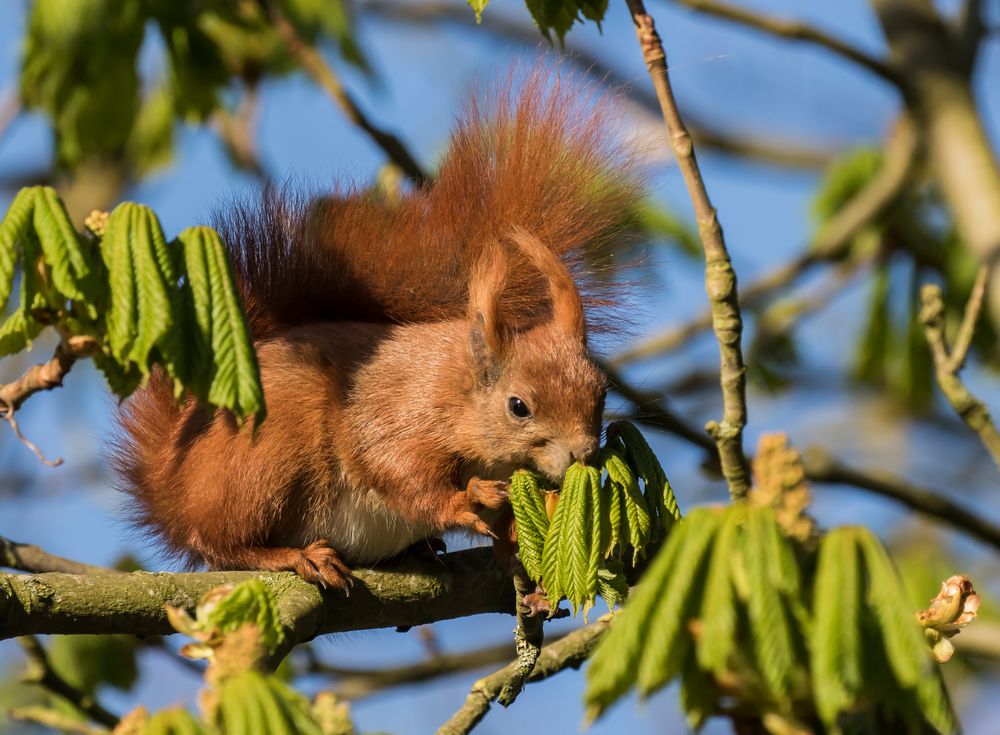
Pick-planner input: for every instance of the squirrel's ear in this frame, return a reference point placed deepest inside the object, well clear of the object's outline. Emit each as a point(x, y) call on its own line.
point(487, 333)
point(567, 308)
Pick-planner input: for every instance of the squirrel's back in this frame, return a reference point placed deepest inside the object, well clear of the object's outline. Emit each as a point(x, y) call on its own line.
point(542, 159)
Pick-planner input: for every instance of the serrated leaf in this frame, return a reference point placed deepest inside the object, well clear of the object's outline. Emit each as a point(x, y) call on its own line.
point(14, 227)
point(236, 382)
point(905, 644)
point(771, 633)
point(835, 643)
point(648, 643)
point(717, 640)
point(532, 521)
point(612, 584)
point(65, 256)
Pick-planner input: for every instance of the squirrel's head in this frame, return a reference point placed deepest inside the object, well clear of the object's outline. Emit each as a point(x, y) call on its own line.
point(539, 395)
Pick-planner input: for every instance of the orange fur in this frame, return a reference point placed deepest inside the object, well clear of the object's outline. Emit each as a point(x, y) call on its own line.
point(393, 339)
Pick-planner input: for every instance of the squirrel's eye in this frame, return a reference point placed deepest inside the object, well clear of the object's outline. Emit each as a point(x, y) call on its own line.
point(518, 408)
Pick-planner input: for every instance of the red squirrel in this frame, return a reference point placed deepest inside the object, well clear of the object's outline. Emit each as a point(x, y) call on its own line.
point(413, 352)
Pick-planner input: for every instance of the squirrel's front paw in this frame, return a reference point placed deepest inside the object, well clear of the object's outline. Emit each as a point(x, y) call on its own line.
point(492, 494)
point(322, 565)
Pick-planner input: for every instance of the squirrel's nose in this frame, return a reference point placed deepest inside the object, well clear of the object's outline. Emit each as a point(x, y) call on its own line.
point(585, 451)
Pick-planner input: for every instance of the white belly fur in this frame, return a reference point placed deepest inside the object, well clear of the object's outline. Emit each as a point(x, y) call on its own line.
point(360, 527)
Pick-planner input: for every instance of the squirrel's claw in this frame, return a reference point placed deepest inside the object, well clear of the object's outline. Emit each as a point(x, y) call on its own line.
point(492, 494)
point(322, 565)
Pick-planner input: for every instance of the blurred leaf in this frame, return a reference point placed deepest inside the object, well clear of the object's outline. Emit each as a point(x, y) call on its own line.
point(873, 355)
point(90, 661)
point(478, 6)
point(151, 143)
point(254, 704)
point(559, 15)
point(660, 223)
point(79, 67)
point(174, 721)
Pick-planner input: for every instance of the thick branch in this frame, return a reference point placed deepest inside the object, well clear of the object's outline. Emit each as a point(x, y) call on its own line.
point(313, 64)
point(792, 30)
point(569, 652)
point(461, 584)
point(934, 73)
point(830, 243)
point(720, 278)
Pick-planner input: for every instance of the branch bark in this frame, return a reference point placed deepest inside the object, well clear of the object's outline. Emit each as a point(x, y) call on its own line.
point(410, 593)
point(934, 72)
point(569, 652)
point(946, 365)
point(720, 278)
point(29, 558)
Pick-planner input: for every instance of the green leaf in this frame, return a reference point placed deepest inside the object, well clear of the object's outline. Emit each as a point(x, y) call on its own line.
point(253, 602)
point(254, 704)
point(79, 67)
point(717, 640)
point(236, 384)
point(648, 642)
point(90, 661)
point(13, 229)
point(174, 721)
point(567, 556)
point(532, 521)
point(69, 262)
point(835, 643)
point(905, 645)
point(612, 584)
point(771, 632)
point(871, 361)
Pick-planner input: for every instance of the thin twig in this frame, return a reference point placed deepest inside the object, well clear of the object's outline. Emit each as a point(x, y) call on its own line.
point(768, 150)
point(720, 278)
point(969, 408)
point(569, 652)
point(40, 672)
point(41, 377)
point(822, 468)
point(829, 244)
point(528, 637)
point(311, 61)
point(29, 558)
point(793, 30)
point(973, 308)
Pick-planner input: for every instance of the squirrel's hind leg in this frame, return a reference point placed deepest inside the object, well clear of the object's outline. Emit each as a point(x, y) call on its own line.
point(317, 563)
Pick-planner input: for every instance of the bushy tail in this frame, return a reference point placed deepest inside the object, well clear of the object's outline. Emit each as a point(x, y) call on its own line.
point(541, 159)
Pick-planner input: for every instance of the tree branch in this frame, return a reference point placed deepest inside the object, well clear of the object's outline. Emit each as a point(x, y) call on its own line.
point(406, 594)
point(821, 467)
point(830, 242)
point(28, 558)
point(764, 149)
point(40, 672)
point(946, 366)
point(934, 75)
point(569, 652)
point(313, 64)
point(792, 30)
point(720, 278)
